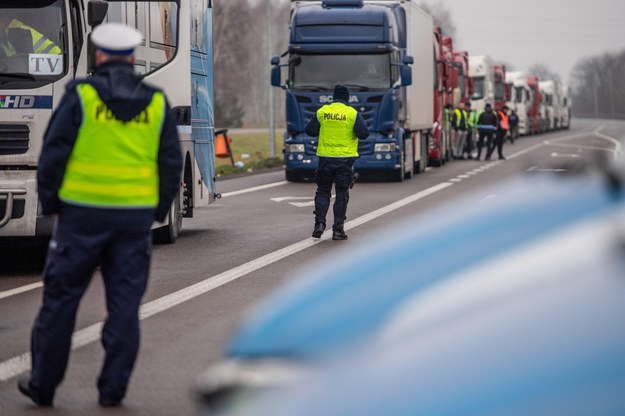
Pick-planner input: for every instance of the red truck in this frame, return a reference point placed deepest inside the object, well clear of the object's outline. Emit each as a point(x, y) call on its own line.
point(535, 116)
point(445, 83)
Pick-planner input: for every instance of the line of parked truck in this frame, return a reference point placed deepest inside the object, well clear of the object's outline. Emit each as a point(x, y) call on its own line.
point(403, 74)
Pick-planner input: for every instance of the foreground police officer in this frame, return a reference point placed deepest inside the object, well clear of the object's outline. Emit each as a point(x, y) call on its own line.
point(110, 166)
point(339, 128)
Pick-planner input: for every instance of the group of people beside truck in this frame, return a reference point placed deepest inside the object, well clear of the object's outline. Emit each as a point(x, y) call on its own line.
point(492, 128)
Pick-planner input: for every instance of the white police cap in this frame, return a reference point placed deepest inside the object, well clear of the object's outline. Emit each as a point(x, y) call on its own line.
point(116, 38)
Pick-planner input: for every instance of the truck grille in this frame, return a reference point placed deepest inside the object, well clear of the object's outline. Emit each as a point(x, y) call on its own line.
point(14, 139)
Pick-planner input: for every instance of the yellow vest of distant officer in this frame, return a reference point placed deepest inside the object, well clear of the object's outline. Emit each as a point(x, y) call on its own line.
point(336, 134)
point(114, 164)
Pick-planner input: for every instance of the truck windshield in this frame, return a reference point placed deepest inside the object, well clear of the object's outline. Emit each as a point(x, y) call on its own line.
point(323, 72)
point(478, 88)
point(519, 94)
point(500, 91)
point(32, 35)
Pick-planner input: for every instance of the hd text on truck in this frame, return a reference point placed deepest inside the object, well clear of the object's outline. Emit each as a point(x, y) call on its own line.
point(382, 51)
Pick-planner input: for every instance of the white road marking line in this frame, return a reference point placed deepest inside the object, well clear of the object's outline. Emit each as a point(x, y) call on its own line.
point(455, 180)
point(566, 155)
point(597, 133)
point(255, 188)
point(465, 176)
point(20, 289)
point(290, 198)
point(21, 363)
point(303, 204)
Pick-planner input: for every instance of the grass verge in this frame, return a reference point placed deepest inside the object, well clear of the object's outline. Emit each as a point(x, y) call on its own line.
point(251, 150)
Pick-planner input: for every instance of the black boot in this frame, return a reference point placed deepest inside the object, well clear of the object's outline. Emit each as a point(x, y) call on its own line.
point(338, 233)
point(319, 228)
point(24, 388)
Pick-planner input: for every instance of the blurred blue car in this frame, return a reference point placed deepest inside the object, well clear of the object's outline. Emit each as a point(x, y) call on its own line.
point(425, 315)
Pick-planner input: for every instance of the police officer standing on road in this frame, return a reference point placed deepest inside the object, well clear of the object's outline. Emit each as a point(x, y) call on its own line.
point(110, 165)
point(486, 127)
point(339, 128)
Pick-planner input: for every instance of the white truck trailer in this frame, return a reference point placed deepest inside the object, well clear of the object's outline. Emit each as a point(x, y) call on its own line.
point(550, 90)
point(481, 72)
point(519, 98)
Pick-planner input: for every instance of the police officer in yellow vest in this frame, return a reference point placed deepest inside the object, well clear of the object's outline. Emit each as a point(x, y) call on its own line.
point(109, 167)
point(339, 128)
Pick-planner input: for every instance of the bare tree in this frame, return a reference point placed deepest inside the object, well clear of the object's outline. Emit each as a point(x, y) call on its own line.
point(598, 86)
point(543, 72)
point(241, 58)
point(442, 17)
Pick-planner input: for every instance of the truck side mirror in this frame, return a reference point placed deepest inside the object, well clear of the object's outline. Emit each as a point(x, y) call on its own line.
point(405, 72)
point(96, 12)
point(275, 60)
point(275, 76)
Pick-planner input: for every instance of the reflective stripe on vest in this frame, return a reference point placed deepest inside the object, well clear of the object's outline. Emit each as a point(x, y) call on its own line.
point(41, 44)
point(114, 164)
point(336, 134)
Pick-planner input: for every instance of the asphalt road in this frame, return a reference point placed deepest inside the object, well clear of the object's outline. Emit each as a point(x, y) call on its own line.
point(234, 252)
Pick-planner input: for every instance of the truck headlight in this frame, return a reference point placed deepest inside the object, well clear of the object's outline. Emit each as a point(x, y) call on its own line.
point(295, 148)
point(384, 147)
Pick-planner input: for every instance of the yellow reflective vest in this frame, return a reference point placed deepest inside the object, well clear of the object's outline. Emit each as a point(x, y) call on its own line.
point(41, 44)
point(336, 133)
point(114, 164)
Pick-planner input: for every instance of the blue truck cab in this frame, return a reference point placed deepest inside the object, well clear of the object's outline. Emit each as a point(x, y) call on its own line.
point(364, 47)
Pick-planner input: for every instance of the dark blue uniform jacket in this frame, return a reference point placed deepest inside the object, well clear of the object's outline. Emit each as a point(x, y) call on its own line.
point(126, 95)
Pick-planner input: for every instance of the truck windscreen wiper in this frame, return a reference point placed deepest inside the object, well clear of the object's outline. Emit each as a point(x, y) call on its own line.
point(12, 77)
point(357, 87)
point(313, 88)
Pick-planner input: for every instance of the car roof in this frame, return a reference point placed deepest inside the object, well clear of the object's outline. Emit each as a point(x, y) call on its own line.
point(345, 297)
point(547, 339)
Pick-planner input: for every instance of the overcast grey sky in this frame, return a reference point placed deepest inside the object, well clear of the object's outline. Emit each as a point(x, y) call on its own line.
point(524, 32)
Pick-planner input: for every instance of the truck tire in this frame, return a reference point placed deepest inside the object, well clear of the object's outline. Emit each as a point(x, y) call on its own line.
point(422, 164)
point(410, 174)
point(169, 233)
point(398, 175)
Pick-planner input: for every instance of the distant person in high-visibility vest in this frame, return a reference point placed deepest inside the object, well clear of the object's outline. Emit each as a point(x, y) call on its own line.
point(459, 125)
point(18, 37)
point(339, 128)
point(471, 126)
point(500, 135)
point(110, 166)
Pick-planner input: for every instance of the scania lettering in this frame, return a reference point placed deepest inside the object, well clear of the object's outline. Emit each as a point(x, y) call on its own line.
point(176, 55)
point(382, 51)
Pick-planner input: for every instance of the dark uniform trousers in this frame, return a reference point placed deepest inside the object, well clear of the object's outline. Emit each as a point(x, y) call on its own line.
point(75, 252)
point(484, 134)
point(500, 137)
point(337, 170)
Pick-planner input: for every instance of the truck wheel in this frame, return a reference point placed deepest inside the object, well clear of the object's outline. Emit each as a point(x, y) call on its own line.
point(422, 164)
point(400, 174)
point(169, 233)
